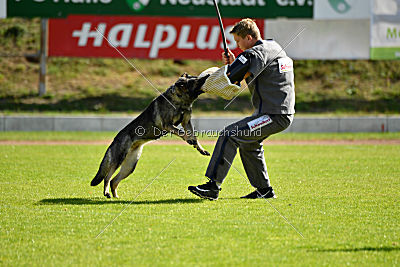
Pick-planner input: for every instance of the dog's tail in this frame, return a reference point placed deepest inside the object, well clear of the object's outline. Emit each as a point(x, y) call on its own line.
point(105, 168)
point(113, 158)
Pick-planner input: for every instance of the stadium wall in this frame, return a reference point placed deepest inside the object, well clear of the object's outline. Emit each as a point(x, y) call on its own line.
point(106, 123)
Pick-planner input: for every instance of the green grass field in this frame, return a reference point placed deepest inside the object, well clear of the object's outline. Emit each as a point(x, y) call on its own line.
point(344, 199)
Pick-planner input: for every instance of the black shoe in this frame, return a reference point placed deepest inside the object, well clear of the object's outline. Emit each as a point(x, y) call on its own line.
point(261, 193)
point(208, 190)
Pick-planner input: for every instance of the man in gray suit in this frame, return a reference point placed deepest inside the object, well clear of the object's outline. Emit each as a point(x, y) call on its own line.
point(268, 72)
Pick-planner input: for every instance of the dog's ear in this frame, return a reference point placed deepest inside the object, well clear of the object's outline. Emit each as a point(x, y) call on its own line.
point(188, 76)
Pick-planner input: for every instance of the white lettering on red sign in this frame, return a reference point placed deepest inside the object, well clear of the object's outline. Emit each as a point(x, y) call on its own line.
point(183, 38)
point(140, 34)
point(85, 33)
point(158, 41)
point(164, 36)
point(201, 41)
point(140, 37)
point(124, 30)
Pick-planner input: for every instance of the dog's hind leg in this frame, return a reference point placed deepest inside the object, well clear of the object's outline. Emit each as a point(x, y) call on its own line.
point(127, 167)
point(107, 168)
point(107, 179)
point(115, 155)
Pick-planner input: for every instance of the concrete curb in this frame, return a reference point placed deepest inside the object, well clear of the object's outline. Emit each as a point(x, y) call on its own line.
point(107, 123)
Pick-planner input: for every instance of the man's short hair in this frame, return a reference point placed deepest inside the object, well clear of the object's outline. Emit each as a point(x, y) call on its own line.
point(246, 27)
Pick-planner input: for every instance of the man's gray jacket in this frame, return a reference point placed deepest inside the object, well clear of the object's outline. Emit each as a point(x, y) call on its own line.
point(271, 82)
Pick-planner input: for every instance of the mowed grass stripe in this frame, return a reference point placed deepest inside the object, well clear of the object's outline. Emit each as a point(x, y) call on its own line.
point(343, 198)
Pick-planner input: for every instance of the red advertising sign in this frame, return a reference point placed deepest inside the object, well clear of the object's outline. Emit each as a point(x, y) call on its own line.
point(140, 37)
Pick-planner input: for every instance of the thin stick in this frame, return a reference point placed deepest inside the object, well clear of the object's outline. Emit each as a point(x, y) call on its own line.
point(222, 29)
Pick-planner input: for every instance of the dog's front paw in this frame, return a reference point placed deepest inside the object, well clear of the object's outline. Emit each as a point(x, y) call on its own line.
point(204, 152)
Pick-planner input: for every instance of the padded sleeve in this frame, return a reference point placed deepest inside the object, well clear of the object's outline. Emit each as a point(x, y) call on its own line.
point(238, 69)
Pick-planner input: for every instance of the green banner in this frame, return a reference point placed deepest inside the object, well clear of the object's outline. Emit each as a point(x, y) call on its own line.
point(176, 8)
point(385, 30)
point(385, 53)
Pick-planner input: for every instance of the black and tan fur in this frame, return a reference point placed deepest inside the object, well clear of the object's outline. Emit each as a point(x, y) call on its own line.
point(159, 118)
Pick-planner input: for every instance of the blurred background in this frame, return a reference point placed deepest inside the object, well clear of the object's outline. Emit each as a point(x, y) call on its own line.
point(345, 53)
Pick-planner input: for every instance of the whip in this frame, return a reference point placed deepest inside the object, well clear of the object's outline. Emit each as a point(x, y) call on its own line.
point(222, 29)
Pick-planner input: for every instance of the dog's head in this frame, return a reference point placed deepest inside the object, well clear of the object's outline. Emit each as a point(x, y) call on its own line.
point(188, 87)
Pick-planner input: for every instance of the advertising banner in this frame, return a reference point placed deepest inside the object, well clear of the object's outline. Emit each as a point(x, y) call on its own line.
point(342, 9)
point(187, 8)
point(321, 39)
point(140, 37)
point(385, 29)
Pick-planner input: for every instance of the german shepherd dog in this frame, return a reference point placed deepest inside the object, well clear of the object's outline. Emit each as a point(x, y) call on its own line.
point(162, 116)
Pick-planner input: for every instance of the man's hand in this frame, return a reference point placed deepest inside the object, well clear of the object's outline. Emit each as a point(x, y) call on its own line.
point(229, 59)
